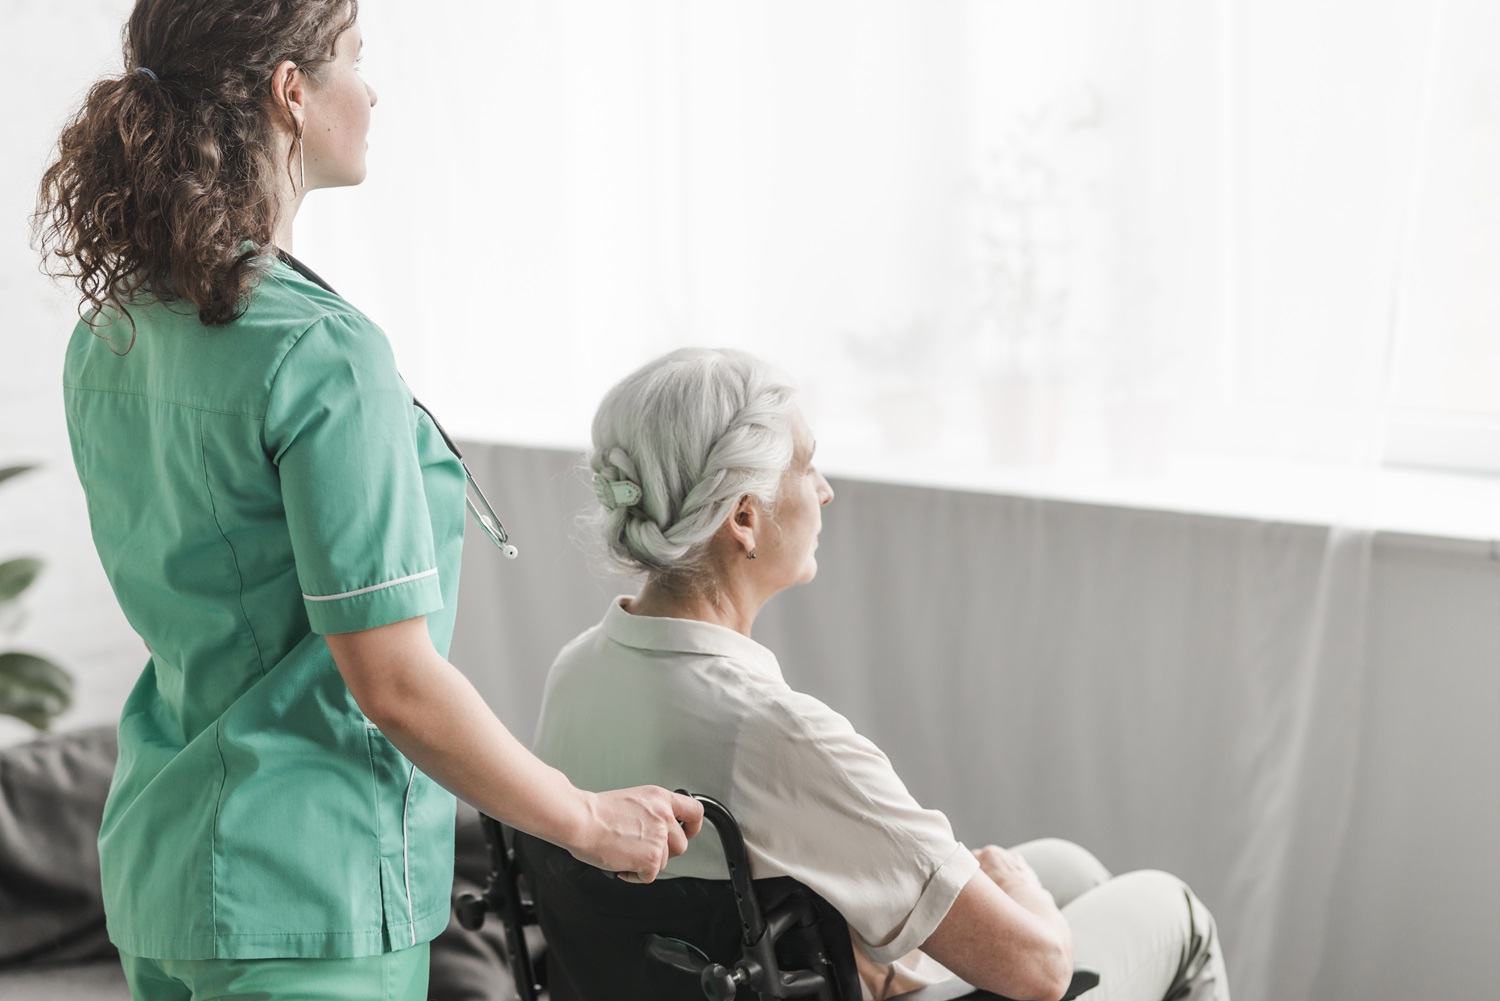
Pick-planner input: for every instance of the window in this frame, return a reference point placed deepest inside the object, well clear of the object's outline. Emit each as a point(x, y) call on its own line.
point(1079, 234)
point(1447, 372)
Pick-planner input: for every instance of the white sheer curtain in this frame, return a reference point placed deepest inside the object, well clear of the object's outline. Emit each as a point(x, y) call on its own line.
point(1101, 238)
point(1448, 358)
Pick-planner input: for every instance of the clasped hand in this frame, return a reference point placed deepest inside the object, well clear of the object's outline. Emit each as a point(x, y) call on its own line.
point(1008, 869)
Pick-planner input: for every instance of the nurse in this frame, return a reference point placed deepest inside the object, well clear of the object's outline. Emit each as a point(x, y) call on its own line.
point(282, 525)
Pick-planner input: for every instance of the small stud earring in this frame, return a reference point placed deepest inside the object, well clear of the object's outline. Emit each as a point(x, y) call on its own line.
point(750, 555)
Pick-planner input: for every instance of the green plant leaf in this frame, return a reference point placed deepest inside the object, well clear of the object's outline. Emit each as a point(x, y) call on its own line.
point(33, 689)
point(10, 471)
point(16, 576)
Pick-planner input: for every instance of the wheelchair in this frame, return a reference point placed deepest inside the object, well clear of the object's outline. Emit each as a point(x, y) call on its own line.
point(675, 939)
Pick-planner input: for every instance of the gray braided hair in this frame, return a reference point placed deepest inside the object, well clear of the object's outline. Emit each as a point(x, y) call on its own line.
point(695, 430)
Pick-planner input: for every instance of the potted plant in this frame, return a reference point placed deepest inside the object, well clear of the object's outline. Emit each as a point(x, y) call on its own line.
point(1037, 194)
point(32, 688)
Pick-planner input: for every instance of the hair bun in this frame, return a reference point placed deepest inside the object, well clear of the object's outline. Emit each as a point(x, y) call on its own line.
point(677, 443)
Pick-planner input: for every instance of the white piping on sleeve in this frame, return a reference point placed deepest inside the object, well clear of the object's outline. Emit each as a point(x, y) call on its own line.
point(373, 587)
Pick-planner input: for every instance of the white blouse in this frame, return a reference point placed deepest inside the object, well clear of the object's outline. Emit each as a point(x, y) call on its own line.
point(680, 703)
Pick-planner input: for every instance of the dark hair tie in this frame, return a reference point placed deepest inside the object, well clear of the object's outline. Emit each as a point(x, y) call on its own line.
point(153, 76)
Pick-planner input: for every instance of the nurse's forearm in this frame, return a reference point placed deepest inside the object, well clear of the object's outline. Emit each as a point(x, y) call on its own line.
point(449, 733)
point(435, 717)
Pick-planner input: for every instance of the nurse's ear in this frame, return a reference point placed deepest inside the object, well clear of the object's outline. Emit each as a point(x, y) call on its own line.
point(289, 97)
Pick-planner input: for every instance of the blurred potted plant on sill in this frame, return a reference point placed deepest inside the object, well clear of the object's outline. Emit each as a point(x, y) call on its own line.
point(902, 377)
point(1035, 188)
point(32, 688)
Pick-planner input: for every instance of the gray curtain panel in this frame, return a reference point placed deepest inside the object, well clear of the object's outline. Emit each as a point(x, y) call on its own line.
point(1296, 719)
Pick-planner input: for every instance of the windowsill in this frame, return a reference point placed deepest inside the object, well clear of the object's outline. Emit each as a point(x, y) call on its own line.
point(1393, 500)
point(1401, 501)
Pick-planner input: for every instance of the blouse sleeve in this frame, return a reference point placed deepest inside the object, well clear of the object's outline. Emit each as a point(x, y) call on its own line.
point(824, 805)
point(340, 427)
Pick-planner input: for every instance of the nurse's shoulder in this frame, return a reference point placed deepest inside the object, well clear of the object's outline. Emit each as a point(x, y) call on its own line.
point(163, 351)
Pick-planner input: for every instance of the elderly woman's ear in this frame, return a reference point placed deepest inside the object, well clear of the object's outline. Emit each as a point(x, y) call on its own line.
point(741, 526)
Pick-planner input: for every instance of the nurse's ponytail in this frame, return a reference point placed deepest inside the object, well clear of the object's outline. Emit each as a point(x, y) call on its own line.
point(166, 185)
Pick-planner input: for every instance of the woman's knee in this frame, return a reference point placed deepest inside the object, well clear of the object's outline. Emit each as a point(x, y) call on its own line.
point(1173, 888)
point(1171, 897)
point(1067, 870)
point(1148, 928)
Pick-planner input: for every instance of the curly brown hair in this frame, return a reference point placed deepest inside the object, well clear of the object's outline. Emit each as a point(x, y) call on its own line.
point(166, 185)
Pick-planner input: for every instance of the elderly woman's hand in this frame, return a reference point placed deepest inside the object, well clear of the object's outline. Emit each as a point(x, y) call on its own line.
point(1008, 869)
point(633, 832)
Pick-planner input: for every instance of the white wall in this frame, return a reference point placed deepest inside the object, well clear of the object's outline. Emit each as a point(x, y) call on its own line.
point(71, 616)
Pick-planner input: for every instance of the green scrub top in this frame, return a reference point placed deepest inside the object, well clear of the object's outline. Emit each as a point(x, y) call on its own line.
point(250, 488)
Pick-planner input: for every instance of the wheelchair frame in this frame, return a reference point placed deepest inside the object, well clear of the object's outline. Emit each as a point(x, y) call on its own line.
point(758, 969)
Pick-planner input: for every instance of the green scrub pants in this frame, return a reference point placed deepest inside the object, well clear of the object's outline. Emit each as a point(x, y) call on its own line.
point(391, 976)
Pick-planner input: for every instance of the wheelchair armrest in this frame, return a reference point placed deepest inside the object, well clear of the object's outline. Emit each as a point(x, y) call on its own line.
point(956, 990)
point(1084, 979)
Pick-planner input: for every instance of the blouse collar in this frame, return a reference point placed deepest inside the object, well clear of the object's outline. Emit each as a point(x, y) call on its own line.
point(692, 636)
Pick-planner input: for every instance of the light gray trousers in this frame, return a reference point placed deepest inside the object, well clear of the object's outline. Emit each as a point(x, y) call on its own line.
point(1147, 935)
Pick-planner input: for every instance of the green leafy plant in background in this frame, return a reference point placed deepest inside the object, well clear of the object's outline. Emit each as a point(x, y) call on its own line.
point(32, 688)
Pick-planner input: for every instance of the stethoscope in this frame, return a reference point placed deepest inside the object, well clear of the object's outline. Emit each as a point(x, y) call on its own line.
point(483, 511)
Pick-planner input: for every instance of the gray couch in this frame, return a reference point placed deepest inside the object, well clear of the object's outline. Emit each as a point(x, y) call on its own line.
point(52, 941)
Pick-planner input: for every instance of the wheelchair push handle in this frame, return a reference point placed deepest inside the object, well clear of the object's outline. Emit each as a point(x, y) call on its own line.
point(758, 969)
point(752, 922)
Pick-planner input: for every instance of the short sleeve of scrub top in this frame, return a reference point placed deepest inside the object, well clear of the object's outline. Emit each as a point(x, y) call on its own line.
point(338, 427)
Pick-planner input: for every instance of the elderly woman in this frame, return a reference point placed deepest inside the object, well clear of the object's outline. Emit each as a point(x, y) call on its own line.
point(703, 465)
